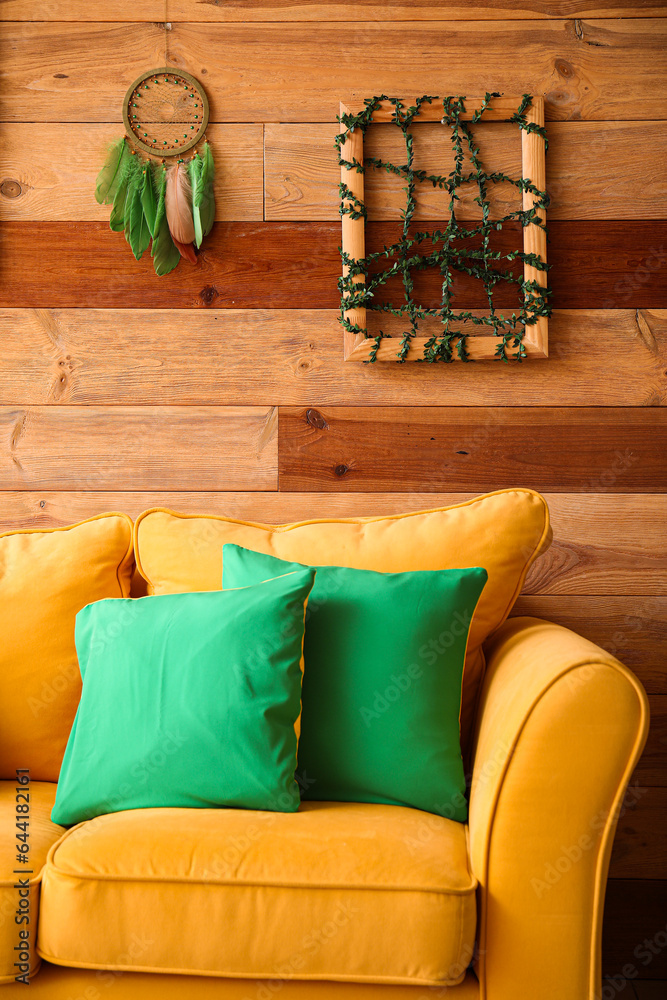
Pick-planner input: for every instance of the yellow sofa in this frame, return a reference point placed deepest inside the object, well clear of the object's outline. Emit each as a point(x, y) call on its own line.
point(341, 900)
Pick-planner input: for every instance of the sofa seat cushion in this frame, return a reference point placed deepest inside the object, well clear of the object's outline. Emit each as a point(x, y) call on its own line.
point(19, 893)
point(339, 891)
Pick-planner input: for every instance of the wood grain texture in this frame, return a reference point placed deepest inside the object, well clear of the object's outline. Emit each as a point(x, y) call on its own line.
point(634, 914)
point(633, 629)
point(48, 171)
point(403, 448)
point(640, 845)
point(302, 171)
point(652, 767)
point(604, 542)
point(589, 579)
point(586, 69)
point(647, 989)
point(275, 265)
point(201, 357)
point(320, 10)
point(98, 448)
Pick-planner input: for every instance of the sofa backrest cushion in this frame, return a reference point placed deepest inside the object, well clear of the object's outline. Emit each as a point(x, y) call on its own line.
point(46, 577)
point(502, 532)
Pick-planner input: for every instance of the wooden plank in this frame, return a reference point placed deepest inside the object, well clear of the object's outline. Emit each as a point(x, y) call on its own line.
point(626, 550)
point(631, 626)
point(501, 108)
point(48, 171)
point(623, 615)
point(599, 69)
point(652, 767)
point(302, 174)
point(317, 10)
point(273, 265)
point(634, 915)
point(635, 631)
point(403, 448)
point(194, 356)
point(649, 989)
point(134, 447)
point(640, 846)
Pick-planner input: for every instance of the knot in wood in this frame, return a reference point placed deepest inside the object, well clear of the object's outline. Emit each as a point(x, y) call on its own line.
point(315, 419)
point(340, 470)
point(11, 188)
point(564, 68)
point(208, 294)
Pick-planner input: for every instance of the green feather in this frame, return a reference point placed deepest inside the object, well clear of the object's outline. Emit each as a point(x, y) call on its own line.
point(207, 211)
point(109, 176)
point(195, 168)
point(204, 197)
point(139, 234)
point(148, 201)
point(161, 188)
point(164, 253)
point(132, 192)
point(207, 173)
point(117, 218)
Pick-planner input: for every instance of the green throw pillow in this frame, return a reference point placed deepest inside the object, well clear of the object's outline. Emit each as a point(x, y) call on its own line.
point(381, 695)
point(187, 700)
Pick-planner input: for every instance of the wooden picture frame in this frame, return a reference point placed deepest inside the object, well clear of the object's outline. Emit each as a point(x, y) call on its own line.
point(479, 347)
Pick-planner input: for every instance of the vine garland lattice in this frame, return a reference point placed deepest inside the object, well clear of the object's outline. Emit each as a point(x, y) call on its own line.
point(358, 285)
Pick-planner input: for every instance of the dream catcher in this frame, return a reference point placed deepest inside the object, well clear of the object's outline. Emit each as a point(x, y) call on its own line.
point(162, 198)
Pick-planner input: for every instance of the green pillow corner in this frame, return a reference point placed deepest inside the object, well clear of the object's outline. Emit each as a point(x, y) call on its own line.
point(384, 656)
point(188, 700)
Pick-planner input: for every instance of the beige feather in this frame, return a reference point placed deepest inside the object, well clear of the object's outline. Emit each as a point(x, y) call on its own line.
point(178, 204)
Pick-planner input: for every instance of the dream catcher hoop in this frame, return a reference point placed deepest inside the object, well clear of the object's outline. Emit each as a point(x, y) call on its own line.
point(161, 197)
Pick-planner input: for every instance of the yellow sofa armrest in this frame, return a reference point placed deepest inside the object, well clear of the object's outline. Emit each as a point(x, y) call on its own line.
point(560, 727)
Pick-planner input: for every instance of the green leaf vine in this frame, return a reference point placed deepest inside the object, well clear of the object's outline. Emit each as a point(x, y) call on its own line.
point(412, 253)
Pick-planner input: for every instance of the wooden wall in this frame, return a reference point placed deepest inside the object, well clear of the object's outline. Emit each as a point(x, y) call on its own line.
point(221, 388)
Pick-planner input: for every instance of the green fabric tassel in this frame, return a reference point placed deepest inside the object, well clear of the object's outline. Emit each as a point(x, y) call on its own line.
point(164, 253)
point(110, 175)
point(148, 202)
